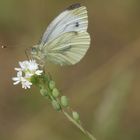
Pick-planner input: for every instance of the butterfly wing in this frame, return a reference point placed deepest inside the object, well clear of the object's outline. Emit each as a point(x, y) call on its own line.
point(74, 18)
point(67, 49)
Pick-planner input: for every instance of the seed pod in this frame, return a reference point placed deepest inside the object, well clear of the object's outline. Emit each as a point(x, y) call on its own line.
point(75, 115)
point(44, 92)
point(51, 84)
point(55, 92)
point(56, 105)
point(64, 101)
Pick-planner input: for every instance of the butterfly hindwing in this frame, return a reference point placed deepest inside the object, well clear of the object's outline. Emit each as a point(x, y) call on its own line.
point(67, 49)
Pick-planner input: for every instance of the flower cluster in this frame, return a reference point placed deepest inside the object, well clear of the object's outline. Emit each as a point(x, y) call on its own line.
point(25, 72)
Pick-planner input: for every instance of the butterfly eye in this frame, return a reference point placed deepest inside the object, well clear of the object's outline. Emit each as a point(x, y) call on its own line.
point(33, 50)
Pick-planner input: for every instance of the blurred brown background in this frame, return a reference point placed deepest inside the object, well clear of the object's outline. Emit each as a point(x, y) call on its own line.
point(104, 87)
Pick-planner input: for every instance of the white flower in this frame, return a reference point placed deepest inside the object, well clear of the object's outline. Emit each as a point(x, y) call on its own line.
point(26, 84)
point(33, 66)
point(24, 65)
point(18, 79)
point(25, 72)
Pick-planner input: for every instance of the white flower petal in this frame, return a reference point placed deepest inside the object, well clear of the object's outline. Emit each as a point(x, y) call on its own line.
point(39, 72)
point(18, 69)
point(17, 82)
point(33, 65)
point(28, 75)
point(15, 78)
point(26, 84)
point(19, 74)
point(24, 65)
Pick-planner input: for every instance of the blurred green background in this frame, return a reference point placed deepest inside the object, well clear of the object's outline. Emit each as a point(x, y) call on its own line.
point(104, 87)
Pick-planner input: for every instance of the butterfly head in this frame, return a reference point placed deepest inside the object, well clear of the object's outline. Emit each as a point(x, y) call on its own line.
point(36, 53)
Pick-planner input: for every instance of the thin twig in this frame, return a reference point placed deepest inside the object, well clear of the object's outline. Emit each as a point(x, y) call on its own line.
point(79, 126)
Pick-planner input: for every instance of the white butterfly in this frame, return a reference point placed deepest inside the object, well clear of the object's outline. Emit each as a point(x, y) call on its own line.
point(66, 39)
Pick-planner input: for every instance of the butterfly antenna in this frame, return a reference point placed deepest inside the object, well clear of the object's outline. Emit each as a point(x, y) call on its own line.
point(26, 53)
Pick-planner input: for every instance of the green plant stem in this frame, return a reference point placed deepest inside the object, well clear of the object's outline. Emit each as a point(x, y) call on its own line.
point(69, 117)
point(79, 126)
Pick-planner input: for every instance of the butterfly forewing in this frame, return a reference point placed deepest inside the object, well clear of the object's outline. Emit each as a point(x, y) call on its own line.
point(70, 20)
